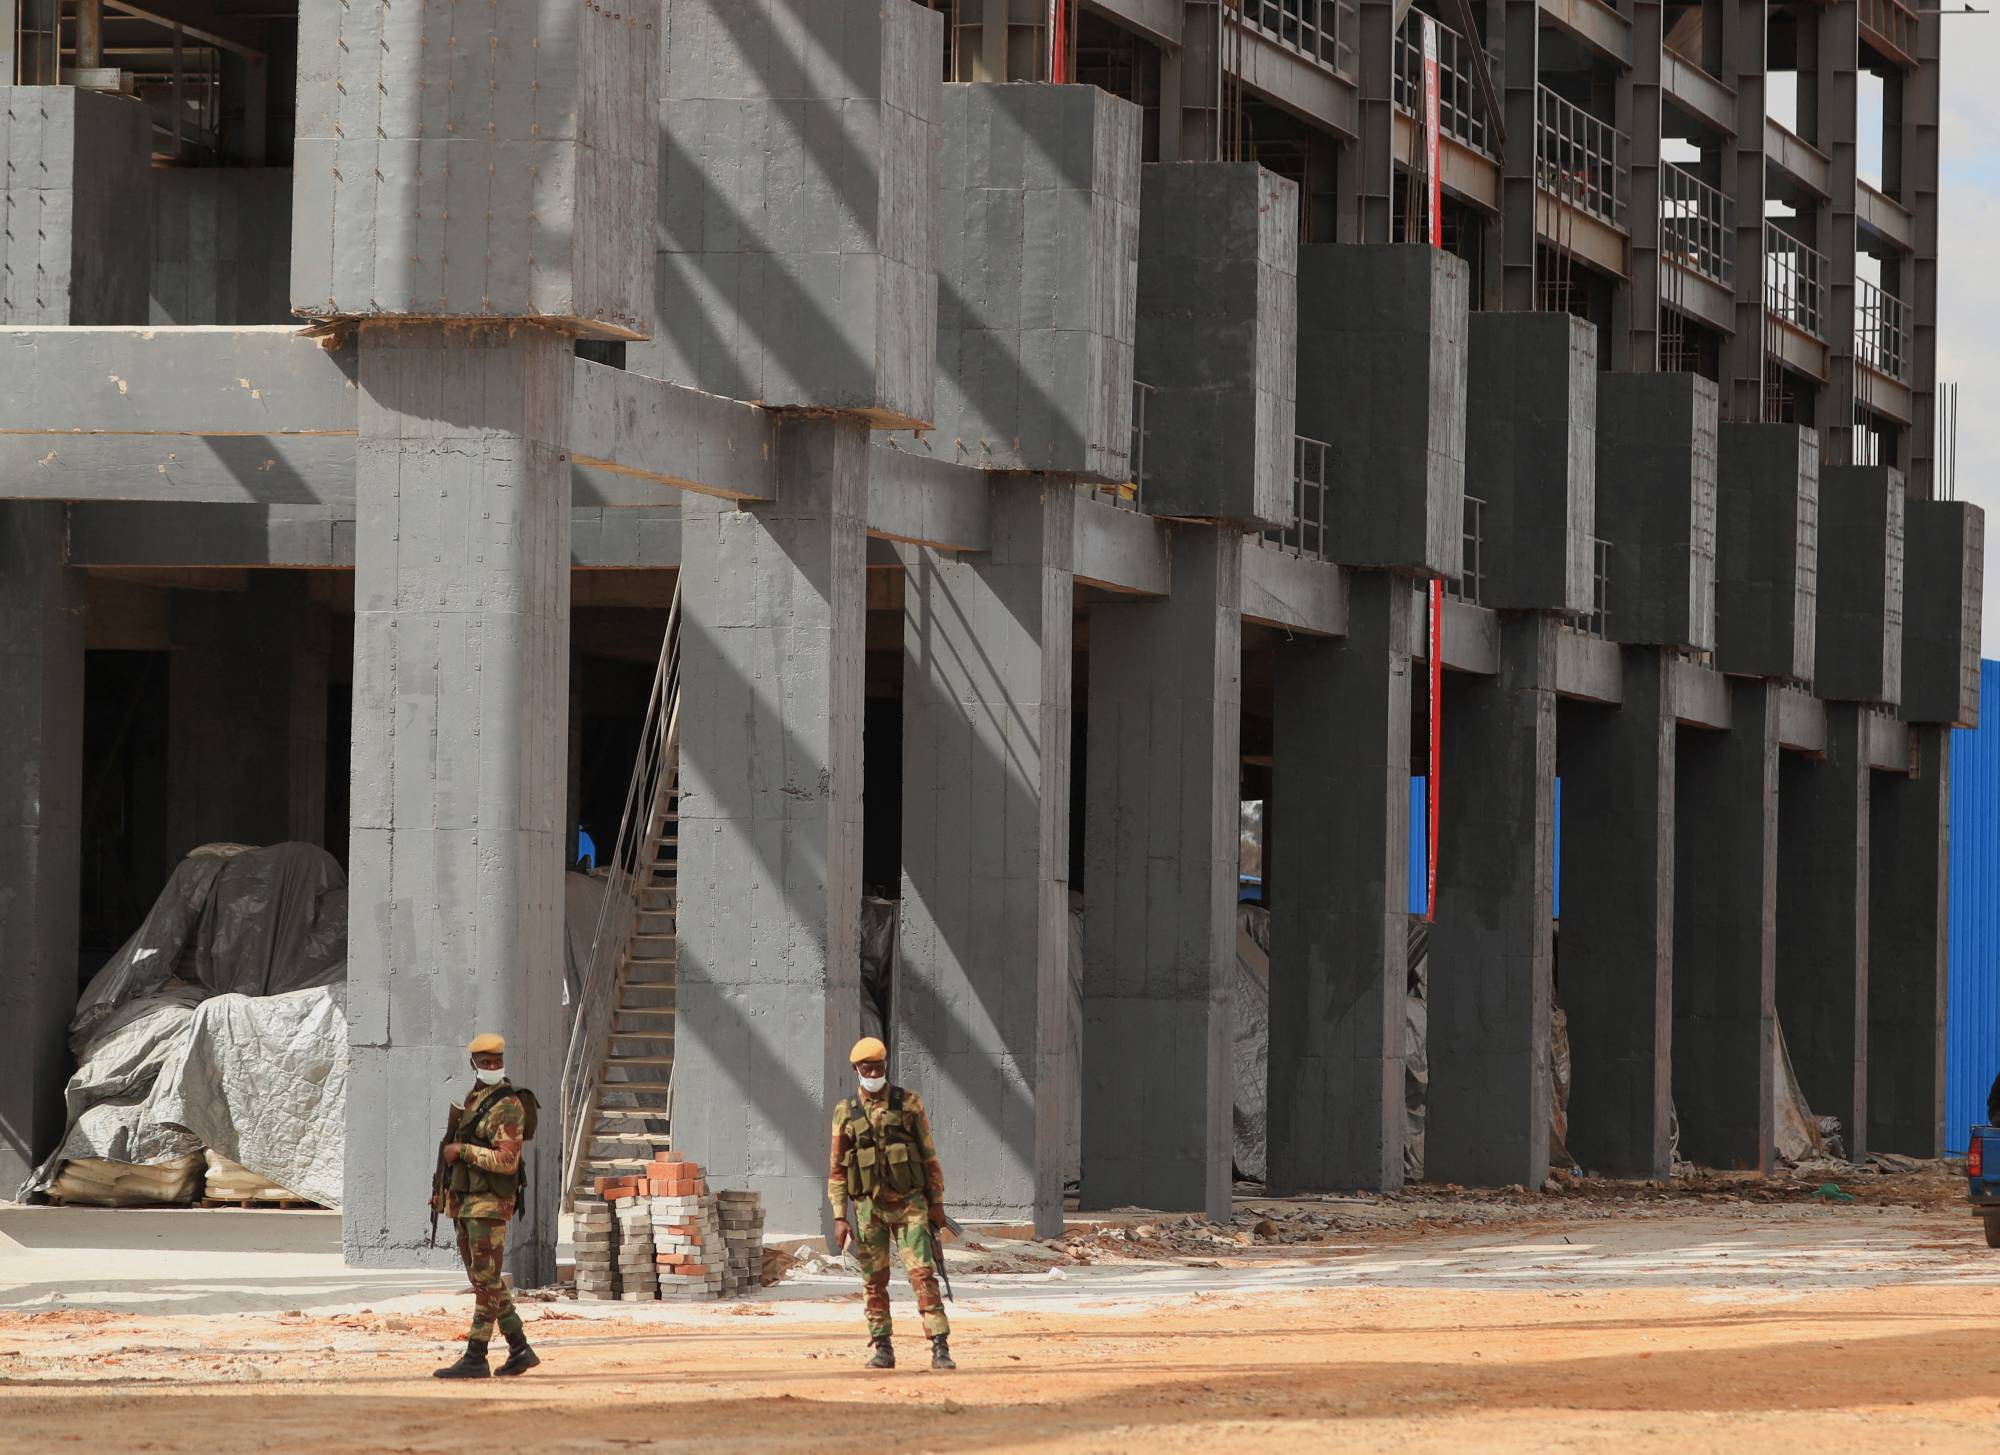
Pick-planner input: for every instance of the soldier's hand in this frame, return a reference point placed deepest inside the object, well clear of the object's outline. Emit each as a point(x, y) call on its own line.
point(842, 1235)
point(452, 1152)
point(937, 1214)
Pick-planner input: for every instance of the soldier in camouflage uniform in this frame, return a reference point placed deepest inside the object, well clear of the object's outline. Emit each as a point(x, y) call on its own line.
point(481, 1197)
point(887, 1191)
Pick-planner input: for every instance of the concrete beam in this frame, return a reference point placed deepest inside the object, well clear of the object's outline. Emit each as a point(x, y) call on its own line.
point(663, 434)
point(1122, 550)
point(926, 502)
point(1292, 592)
point(1588, 668)
point(273, 380)
point(1698, 695)
point(1802, 721)
point(275, 470)
point(1471, 636)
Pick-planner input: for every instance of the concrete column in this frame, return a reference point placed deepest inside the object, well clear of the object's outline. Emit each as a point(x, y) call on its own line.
point(1488, 1121)
point(1909, 848)
point(41, 811)
point(1823, 921)
point(1725, 933)
point(982, 1024)
point(772, 651)
point(231, 731)
point(461, 669)
point(1340, 928)
point(1618, 921)
point(1160, 855)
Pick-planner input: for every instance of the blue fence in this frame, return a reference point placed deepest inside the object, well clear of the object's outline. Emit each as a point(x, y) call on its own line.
point(1972, 1024)
point(1419, 838)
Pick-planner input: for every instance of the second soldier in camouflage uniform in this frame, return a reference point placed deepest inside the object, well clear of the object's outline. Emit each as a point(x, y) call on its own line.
point(484, 1172)
point(887, 1191)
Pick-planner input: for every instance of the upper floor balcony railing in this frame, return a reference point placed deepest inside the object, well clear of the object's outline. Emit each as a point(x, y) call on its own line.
point(1697, 225)
point(1470, 584)
point(1128, 495)
point(1580, 159)
point(1320, 30)
point(1461, 115)
point(1881, 330)
point(1307, 534)
point(1794, 282)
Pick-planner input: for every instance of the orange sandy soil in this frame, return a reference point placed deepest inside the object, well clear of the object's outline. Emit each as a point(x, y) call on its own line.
point(1893, 1367)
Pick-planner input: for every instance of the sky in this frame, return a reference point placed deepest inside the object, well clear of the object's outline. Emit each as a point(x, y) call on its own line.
point(1969, 271)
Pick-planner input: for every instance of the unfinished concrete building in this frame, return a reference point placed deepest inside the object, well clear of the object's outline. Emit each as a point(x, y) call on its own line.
point(1033, 430)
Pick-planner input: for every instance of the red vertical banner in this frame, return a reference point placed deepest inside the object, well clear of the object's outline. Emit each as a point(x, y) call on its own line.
point(1434, 225)
point(1433, 177)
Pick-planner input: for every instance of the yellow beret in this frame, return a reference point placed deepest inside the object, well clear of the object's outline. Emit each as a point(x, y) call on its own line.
point(867, 1049)
point(488, 1042)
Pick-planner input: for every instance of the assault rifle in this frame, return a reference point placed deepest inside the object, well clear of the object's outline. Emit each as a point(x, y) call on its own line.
point(441, 1173)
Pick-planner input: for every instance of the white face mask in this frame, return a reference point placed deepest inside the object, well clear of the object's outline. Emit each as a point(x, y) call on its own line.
point(490, 1078)
point(874, 1083)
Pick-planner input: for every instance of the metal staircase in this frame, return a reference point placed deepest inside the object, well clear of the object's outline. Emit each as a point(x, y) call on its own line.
point(617, 1100)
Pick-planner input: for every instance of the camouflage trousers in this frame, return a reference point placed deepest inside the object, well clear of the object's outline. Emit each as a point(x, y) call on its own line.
point(879, 1230)
point(482, 1247)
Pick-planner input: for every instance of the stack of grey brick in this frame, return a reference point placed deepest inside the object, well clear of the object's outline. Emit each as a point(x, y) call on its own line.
point(797, 158)
point(1381, 377)
point(471, 243)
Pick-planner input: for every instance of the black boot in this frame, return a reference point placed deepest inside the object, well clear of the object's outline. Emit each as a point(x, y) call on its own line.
point(941, 1353)
point(520, 1358)
point(471, 1364)
point(884, 1356)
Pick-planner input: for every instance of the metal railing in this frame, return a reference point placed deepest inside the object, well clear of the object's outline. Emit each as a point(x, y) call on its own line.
point(1598, 622)
point(1893, 22)
point(618, 914)
point(1580, 159)
point(1697, 225)
point(1881, 330)
point(1320, 30)
point(1794, 282)
point(1460, 112)
point(1470, 584)
point(1306, 535)
point(1127, 496)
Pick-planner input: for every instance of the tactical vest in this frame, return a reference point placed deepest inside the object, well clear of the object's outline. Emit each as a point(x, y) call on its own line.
point(890, 1164)
point(465, 1178)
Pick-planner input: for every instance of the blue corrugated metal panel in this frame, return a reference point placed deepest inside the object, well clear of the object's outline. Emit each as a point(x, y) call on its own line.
point(1420, 870)
point(1972, 1026)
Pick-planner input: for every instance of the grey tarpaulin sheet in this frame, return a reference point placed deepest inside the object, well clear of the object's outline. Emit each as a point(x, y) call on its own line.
point(1250, 1041)
point(248, 921)
point(262, 1080)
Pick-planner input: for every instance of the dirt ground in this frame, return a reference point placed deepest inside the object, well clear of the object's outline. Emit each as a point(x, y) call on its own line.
point(1727, 1315)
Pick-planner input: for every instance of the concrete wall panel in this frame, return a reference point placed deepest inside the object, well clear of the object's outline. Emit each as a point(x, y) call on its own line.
point(1656, 505)
point(1859, 649)
point(1381, 378)
point(77, 241)
point(1945, 543)
point(222, 245)
point(1767, 552)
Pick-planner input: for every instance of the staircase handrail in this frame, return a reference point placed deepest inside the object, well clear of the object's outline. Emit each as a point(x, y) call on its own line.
point(618, 911)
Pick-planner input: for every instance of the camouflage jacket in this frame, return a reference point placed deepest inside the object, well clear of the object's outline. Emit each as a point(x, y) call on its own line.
point(876, 1105)
point(504, 1129)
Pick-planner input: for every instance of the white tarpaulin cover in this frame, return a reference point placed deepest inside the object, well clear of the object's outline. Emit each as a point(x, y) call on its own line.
point(262, 1079)
point(220, 1019)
